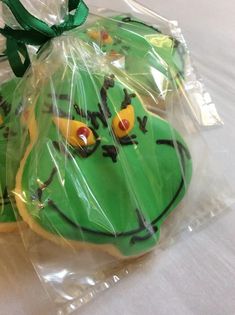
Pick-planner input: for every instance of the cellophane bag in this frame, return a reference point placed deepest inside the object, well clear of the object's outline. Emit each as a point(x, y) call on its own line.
point(114, 167)
point(7, 217)
point(52, 13)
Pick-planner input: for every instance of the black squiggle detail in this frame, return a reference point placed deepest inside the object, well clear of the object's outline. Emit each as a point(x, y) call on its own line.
point(136, 239)
point(151, 230)
point(130, 20)
point(80, 111)
point(142, 123)
point(127, 140)
point(98, 115)
point(83, 152)
point(108, 83)
point(104, 112)
point(110, 151)
point(39, 192)
point(127, 99)
point(91, 116)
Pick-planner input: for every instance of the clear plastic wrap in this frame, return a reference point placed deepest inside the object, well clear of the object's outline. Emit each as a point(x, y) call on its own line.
point(7, 217)
point(52, 13)
point(114, 163)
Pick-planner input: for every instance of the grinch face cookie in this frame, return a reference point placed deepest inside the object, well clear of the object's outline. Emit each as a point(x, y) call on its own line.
point(152, 58)
point(7, 134)
point(100, 170)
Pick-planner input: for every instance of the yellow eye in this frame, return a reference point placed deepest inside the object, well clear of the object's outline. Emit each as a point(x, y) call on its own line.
point(100, 36)
point(124, 121)
point(75, 132)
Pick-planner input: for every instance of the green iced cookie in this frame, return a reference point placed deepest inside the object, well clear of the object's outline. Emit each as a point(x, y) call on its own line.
point(100, 170)
point(153, 58)
point(7, 134)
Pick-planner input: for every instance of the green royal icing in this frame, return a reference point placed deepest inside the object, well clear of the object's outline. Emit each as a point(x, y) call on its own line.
point(7, 134)
point(120, 197)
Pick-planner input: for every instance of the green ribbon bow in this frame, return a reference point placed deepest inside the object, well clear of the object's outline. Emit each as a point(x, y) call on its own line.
point(36, 32)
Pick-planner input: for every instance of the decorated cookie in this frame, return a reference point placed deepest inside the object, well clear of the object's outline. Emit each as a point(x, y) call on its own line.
point(153, 58)
point(7, 134)
point(100, 170)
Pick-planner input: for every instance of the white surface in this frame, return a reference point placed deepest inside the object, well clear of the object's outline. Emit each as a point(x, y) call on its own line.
point(196, 276)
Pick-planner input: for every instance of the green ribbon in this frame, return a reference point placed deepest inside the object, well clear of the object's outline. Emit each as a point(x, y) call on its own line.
point(36, 32)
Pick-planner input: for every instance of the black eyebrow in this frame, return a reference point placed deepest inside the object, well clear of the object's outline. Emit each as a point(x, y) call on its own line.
point(103, 112)
point(92, 116)
point(127, 99)
point(128, 140)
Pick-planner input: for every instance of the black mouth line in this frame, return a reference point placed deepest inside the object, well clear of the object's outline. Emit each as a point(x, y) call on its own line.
point(150, 228)
point(143, 226)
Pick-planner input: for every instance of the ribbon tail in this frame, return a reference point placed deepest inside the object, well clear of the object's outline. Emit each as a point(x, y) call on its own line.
point(74, 20)
point(72, 5)
point(15, 52)
point(27, 20)
point(35, 31)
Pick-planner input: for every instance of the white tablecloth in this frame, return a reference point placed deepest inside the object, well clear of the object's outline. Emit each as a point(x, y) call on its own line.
point(195, 276)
